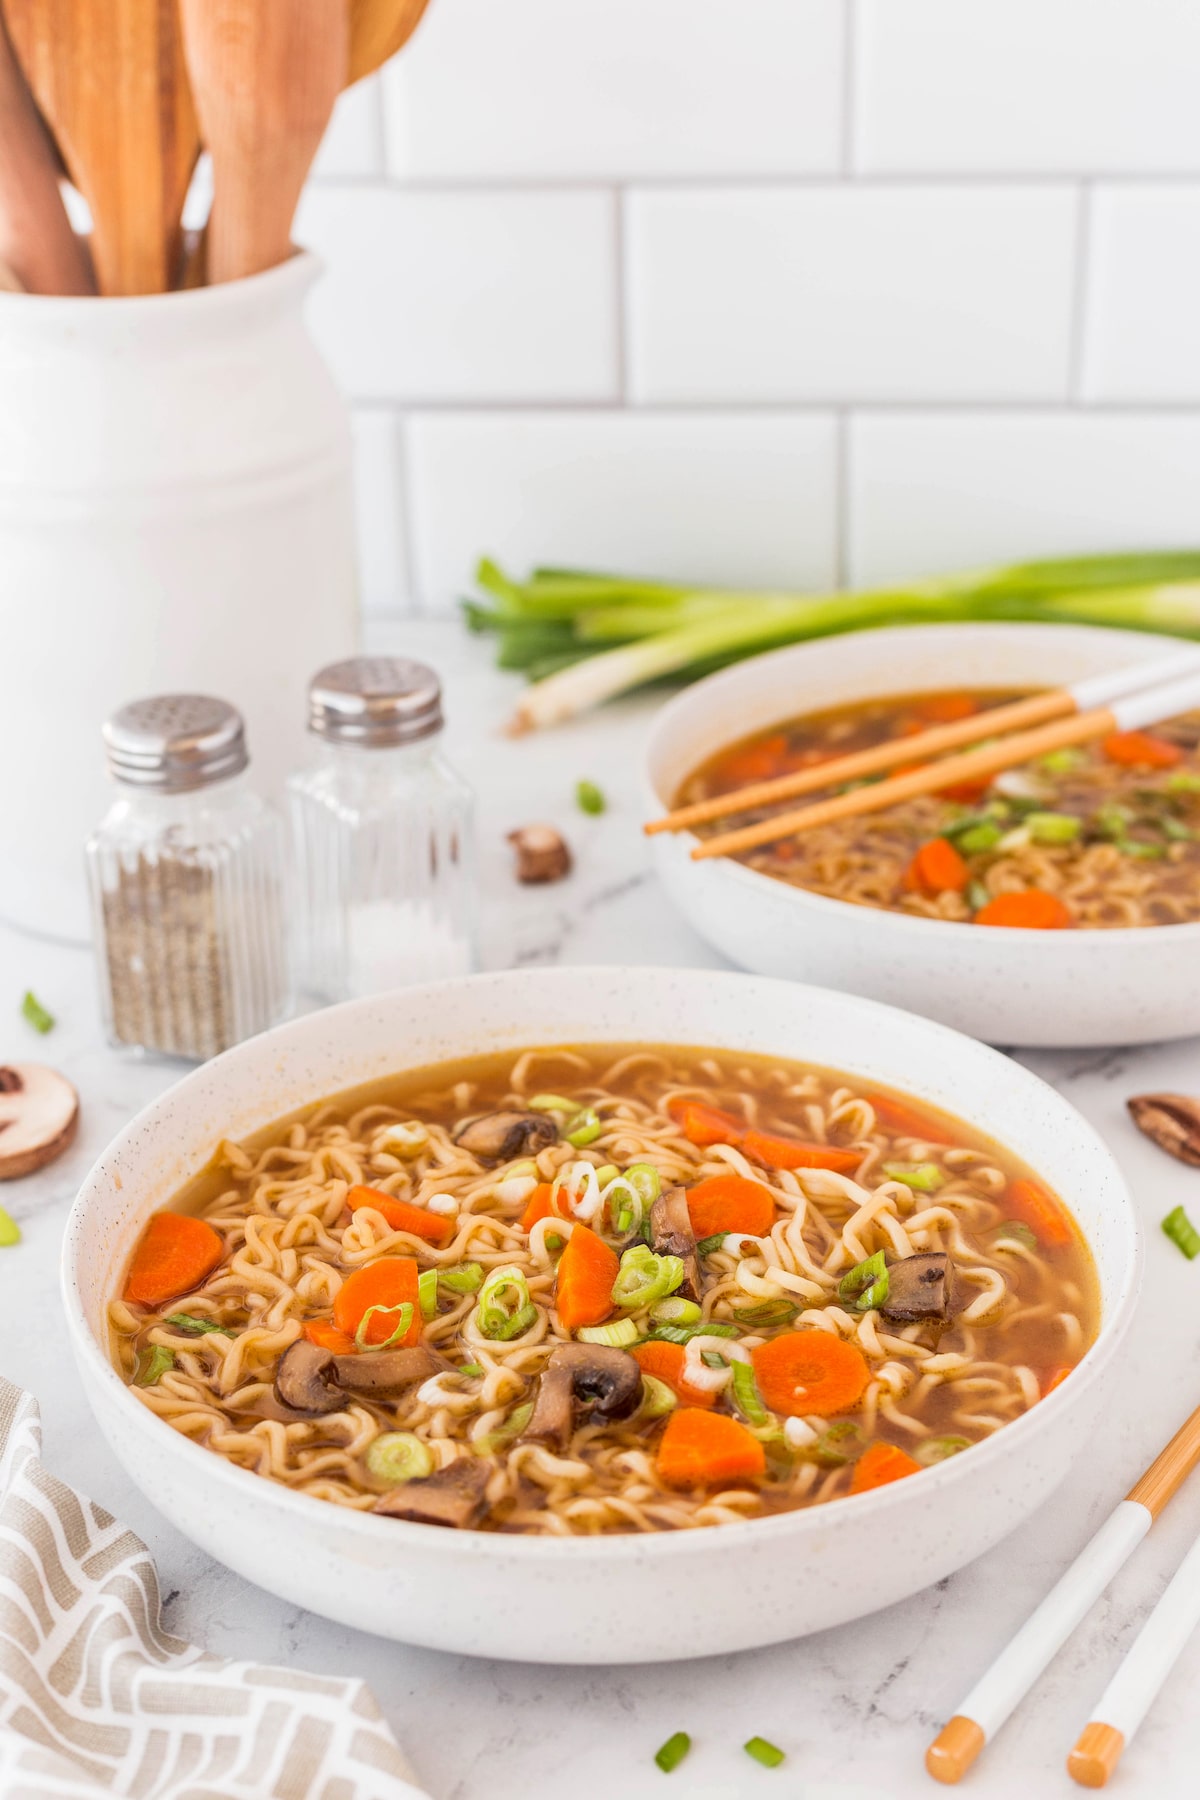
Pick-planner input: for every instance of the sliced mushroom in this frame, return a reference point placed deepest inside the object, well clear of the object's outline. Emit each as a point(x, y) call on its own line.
point(500, 1135)
point(921, 1287)
point(39, 1113)
point(671, 1230)
point(553, 1417)
point(1172, 1120)
point(306, 1379)
point(582, 1382)
point(383, 1372)
point(454, 1496)
point(542, 854)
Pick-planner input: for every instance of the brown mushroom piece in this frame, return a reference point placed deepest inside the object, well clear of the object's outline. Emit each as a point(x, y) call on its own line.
point(39, 1112)
point(498, 1136)
point(306, 1379)
point(553, 1418)
point(1172, 1121)
point(384, 1372)
point(582, 1382)
point(672, 1235)
point(921, 1287)
point(542, 854)
point(454, 1496)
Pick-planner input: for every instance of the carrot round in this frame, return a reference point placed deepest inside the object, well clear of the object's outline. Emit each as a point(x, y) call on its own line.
point(538, 1206)
point(903, 1120)
point(730, 1203)
point(810, 1371)
point(879, 1465)
point(388, 1282)
point(325, 1334)
point(1028, 1201)
point(758, 761)
point(665, 1361)
point(1141, 750)
point(936, 868)
point(702, 1125)
point(586, 1272)
point(434, 1228)
point(790, 1153)
point(966, 793)
point(946, 709)
point(1056, 1379)
point(699, 1449)
point(175, 1253)
point(1030, 909)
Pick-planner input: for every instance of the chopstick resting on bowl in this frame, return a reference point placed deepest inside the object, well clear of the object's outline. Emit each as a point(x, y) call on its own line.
point(1147, 706)
point(998, 1692)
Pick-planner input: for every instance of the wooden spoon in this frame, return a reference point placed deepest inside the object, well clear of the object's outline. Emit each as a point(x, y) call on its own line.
point(265, 74)
point(38, 248)
point(110, 78)
point(378, 28)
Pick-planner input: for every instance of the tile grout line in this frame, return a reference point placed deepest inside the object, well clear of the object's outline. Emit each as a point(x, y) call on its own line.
point(414, 607)
point(1081, 295)
point(621, 295)
point(770, 179)
point(849, 85)
point(842, 500)
point(940, 408)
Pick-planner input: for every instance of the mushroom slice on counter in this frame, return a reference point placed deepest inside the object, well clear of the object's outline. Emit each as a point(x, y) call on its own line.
point(582, 1382)
point(454, 1496)
point(382, 1372)
point(672, 1234)
point(1172, 1121)
point(306, 1379)
point(921, 1287)
point(542, 854)
point(39, 1112)
point(499, 1136)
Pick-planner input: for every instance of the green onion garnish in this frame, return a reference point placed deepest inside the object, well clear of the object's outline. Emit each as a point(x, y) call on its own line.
point(1053, 827)
point(926, 1178)
point(471, 1369)
point(1018, 1232)
point(398, 1456)
point(977, 896)
point(607, 1173)
point(404, 1319)
point(1182, 1232)
point(191, 1326)
point(937, 1449)
point(33, 1010)
point(584, 1128)
point(10, 1231)
point(769, 1755)
point(746, 1396)
point(505, 1432)
point(589, 798)
point(553, 1241)
point(152, 1364)
point(427, 1286)
point(1112, 820)
point(503, 1300)
point(467, 1278)
point(1141, 851)
point(838, 1443)
point(552, 1103)
point(712, 1360)
point(1183, 781)
point(767, 1312)
point(1061, 762)
point(675, 1311)
point(644, 1277)
point(683, 1334)
point(865, 1285)
point(617, 1334)
point(657, 1398)
point(707, 1245)
point(1176, 830)
point(520, 1321)
point(645, 1181)
point(978, 838)
point(673, 1752)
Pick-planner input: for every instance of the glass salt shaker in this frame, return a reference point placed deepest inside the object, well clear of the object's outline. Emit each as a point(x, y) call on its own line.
point(186, 875)
point(382, 833)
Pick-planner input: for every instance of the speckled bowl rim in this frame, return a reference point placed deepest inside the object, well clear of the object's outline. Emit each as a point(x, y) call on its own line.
point(409, 1536)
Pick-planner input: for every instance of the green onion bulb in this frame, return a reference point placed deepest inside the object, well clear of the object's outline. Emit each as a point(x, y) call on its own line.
point(644, 1277)
point(505, 1309)
point(398, 1456)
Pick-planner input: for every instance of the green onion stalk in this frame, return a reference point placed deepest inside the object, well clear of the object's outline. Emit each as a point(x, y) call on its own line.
point(584, 638)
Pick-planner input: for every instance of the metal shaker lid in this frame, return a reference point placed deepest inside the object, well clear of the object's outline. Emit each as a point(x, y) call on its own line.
point(375, 702)
point(173, 742)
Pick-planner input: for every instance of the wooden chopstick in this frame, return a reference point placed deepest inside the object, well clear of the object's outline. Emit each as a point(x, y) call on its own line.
point(1146, 707)
point(996, 1695)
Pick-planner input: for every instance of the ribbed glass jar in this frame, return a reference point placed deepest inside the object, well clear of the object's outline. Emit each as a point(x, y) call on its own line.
point(382, 831)
point(186, 876)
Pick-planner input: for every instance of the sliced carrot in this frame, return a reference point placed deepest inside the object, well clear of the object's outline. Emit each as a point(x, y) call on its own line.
point(810, 1371)
point(1029, 1202)
point(665, 1362)
point(434, 1228)
point(790, 1153)
point(1141, 750)
point(879, 1465)
point(701, 1448)
point(936, 868)
point(730, 1203)
point(325, 1334)
point(389, 1283)
point(946, 709)
point(538, 1206)
point(903, 1120)
point(1057, 1379)
point(754, 762)
point(586, 1272)
point(965, 792)
point(175, 1253)
point(1030, 909)
point(702, 1125)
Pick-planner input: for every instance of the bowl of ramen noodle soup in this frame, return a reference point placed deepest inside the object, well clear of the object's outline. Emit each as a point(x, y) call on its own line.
point(1057, 903)
point(601, 1315)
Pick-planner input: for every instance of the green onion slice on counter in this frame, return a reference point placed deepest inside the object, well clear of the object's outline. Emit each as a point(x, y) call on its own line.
point(865, 1285)
point(589, 798)
point(937, 1449)
point(35, 1013)
point(152, 1365)
point(617, 1335)
point(403, 1316)
point(1182, 1232)
point(10, 1231)
point(764, 1752)
point(671, 1754)
point(398, 1456)
point(191, 1326)
point(645, 1277)
point(925, 1178)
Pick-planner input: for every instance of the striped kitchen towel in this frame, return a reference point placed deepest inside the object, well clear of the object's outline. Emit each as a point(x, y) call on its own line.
point(96, 1699)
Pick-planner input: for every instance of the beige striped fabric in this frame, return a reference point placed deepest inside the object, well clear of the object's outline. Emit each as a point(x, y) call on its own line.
point(96, 1699)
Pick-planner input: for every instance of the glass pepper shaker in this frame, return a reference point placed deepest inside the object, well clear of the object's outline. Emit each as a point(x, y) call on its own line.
point(382, 832)
point(186, 877)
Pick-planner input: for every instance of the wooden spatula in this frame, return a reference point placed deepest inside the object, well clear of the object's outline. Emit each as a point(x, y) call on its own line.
point(265, 75)
point(378, 28)
point(38, 248)
point(110, 79)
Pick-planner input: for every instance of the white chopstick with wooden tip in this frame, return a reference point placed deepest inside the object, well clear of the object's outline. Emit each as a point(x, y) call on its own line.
point(998, 1692)
point(1035, 709)
point(1146, 707)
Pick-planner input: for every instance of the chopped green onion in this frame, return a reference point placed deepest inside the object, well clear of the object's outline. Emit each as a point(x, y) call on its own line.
point(1112, 820)
point(608, 1173)
point(504, 1433)
point(1053, 827)
point(398, 1456)
point(553, 1241)
point(551, 1103)
point(675, 1311)
point(10, 1231)
point(977, 896)
point(978, 838)
point(673, 1752)
point(33, 1010)
point(427, 1286)
point(619, 1333)
point(769, 1755)
point(707, 1245)
point(404, 1319)
point(624, 1219)
point(644, 1277)
point(1061, 762)
point(712, 1360)
point(683, 1334)
point(584, 1128)
point(191, 1326)
point(746, 1396)
point(645, 1181)
point(937, 1449)
point(504, 1297)
point(1182, 1232)
point(657, 1398)
point(926, 1178)
point(467, 1278)
point(520, 1322)
point(1141, 850)
point(1176, 830)
point(838, 1443)
point(589, 798)
point(767, 1312)
point(865, 1285)
point(152, 1365)
point(1183, 781)
point(1017, 1231)
point(471, 1369)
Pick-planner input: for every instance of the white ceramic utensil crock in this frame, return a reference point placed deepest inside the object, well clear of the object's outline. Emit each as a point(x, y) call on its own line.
point(630, 1598)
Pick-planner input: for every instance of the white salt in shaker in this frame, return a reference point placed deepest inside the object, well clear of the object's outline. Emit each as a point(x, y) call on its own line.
point(383, 836)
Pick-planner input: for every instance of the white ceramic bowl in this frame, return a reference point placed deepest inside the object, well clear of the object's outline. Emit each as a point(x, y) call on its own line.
point(636, 1598)
point(1003, 985)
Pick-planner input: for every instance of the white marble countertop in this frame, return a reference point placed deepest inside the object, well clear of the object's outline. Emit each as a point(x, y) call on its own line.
point(855, 1707)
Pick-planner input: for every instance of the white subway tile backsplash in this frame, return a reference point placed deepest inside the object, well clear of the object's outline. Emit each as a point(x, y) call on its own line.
point(562, 89)
point(353, 144)
point(930, 494)
point(824, 293)
point(468, 295)
point(1143, 276)
point(379, 506)
point(1035, 85)
point(704, 498)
